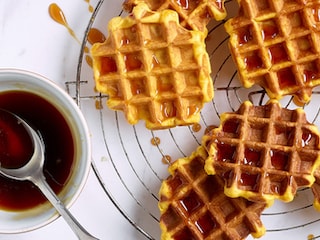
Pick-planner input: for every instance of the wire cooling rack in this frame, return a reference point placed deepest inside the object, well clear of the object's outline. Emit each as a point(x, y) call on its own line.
point(131, 161)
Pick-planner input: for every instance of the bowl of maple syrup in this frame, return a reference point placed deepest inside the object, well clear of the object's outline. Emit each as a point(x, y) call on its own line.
point(63, 129)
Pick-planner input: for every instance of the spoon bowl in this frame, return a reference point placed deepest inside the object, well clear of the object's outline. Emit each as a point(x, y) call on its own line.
point(33, 171)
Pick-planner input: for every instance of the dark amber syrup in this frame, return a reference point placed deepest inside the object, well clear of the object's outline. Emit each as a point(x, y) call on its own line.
point(59, 149)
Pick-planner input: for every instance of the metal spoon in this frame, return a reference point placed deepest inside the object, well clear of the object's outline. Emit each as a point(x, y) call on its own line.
point(33, 171)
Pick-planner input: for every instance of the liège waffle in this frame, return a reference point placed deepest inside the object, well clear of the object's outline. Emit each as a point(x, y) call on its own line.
point(275, 43)
point(153, 69)
point(193, 14)
point(194, 206)
point(263, 152)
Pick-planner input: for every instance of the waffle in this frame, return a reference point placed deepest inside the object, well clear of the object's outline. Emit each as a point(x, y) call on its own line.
point(153, 69)
point(263, 152)
point(193, 205)
point(193, 14)
point(316, 189)
point(275, 44)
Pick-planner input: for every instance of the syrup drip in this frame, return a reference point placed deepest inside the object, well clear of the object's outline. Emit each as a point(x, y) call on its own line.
point(95, 36)
point(196, 127)
point(166, 159)
point(98, 104)
point(155, 141)
point(89, 61)
point(310, 236)
point(90, 7)
point(57, 15)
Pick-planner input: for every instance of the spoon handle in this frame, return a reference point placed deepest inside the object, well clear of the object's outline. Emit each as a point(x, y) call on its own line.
point(60, 207)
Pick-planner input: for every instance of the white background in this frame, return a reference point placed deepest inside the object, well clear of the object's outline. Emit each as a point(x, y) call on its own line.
point(31, 40)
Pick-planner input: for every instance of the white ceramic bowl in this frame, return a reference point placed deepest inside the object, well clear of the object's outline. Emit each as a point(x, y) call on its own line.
point(20, 80)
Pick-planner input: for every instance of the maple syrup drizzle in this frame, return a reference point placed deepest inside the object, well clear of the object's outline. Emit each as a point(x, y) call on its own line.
point(58, 16)
point(90, 7)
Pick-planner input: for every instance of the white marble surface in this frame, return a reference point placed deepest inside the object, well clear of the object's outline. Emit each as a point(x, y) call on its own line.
point(31, 40)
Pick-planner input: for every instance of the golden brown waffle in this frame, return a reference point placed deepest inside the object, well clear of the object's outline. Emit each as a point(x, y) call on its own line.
point(316, 189)
point(263, 152)
point(193, 14)
point(153, 69)
point(194, 206)
point(275, 43)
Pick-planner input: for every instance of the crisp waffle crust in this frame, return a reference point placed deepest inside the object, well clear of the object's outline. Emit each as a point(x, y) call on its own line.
point(263, 152)
point(193, 205)
point(276, 44)
point(153, 69)
point(193, 14)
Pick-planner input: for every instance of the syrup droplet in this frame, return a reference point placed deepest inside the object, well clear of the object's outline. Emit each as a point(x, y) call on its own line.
point(96, 36)
point(310, 236)
point(196, 127)
point(155, 141)
point(90, 7)
point(166, 159)
point(168, 109)
point(253, 61)
point(89, 61)
point(245, 36)
point(279, 160)
point(98, 104)
point(250, 180)
point(133, 62)
point(191, 203)
point(57, 15)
